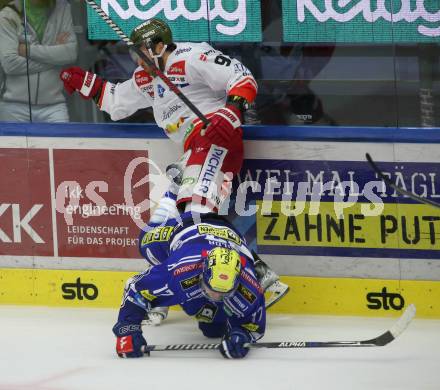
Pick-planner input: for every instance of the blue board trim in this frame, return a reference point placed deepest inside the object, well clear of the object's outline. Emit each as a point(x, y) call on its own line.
point(349, 252)
point(263, 133)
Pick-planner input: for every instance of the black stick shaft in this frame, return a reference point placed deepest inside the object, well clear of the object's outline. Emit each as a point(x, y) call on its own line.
point(278, 345)
point(398, 189)
point(385, 338)
point(154, 69)
point(379, 341)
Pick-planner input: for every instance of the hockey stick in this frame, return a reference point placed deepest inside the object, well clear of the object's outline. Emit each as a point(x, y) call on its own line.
point(154, 69)
point(384, 339)
point(398, 189)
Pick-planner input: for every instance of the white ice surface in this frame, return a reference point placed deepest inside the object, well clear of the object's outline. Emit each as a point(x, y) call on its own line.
point(73, 349)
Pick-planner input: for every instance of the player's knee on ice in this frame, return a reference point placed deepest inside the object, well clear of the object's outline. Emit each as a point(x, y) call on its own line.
point(213, 330)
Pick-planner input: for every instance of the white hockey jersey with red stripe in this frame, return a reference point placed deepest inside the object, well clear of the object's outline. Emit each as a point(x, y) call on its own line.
point(205, 76)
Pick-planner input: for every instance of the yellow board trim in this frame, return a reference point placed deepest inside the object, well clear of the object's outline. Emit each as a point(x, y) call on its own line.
point(308, 295)
point(44, 287)
point(348, 296)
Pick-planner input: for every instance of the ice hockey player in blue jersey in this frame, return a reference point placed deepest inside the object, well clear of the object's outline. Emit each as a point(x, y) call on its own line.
point(154, 244)
point(209, 272)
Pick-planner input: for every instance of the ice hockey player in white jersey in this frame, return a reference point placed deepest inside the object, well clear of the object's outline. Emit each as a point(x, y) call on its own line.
point(219, 86)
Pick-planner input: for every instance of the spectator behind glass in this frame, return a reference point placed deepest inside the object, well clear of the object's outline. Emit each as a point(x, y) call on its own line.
point(51, 44)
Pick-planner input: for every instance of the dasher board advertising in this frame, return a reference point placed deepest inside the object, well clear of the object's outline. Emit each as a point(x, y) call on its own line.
point(190, 20)
point(363, 21)
point(341, 208)
point(70, 203)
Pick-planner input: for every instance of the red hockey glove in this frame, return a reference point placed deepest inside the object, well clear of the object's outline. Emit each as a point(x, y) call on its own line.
point(86, 83)
point(223, 125)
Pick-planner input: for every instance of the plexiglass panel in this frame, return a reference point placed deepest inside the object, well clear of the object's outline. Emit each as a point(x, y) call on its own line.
point(361, 63)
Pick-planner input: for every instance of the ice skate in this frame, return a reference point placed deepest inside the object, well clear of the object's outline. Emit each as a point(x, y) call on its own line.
point(269, 281)
point(174, 171)
point(155, 316)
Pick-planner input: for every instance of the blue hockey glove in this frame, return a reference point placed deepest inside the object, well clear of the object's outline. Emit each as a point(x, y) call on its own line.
point(129, 340)
point(232, 345)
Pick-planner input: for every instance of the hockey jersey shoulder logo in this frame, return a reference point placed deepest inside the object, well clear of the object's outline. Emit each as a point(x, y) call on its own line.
point(207, 313)
point(186, 268)
point(142, 78)
point(157, 234)
point(178, 68)
point(224, 232)
point(182, 50)
point(174, 127)
point(144, 82)
point(190, 282)
point(251, 281)
point(246, 294)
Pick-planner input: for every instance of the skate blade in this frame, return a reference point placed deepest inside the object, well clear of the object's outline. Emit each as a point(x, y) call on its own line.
point(276, 292)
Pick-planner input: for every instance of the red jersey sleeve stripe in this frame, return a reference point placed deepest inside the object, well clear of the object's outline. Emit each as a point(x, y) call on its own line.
point(102, 94)
point(246, 88)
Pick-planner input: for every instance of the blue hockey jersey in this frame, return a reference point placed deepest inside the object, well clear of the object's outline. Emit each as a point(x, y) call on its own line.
point(155, 239)
point(175, 280)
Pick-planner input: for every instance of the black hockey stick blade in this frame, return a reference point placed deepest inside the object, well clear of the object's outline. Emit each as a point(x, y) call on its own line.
point(154, 69)
point(398, 189)
point(384, 339)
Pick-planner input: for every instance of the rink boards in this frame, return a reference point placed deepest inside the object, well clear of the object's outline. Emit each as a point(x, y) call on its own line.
point(308, 295)
point(73, 198)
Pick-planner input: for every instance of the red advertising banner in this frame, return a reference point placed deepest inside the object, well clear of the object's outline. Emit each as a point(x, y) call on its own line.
point(94, 218)
point(25, 204)
point(100, 201)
